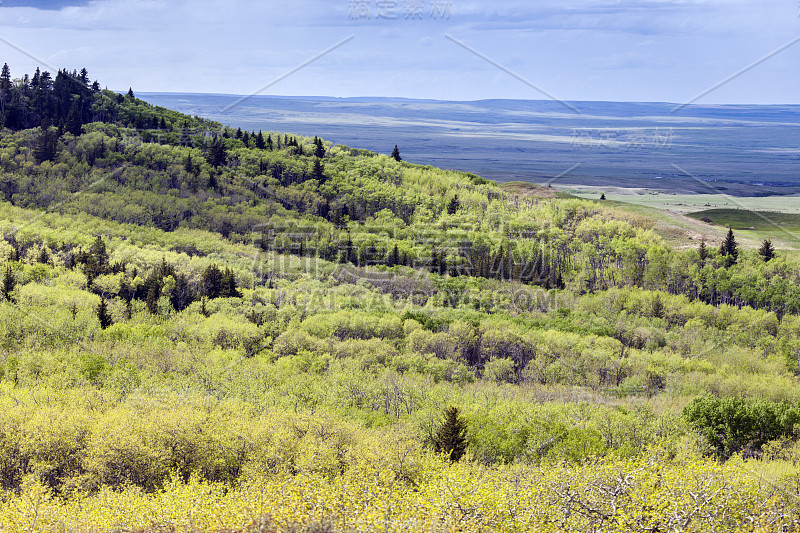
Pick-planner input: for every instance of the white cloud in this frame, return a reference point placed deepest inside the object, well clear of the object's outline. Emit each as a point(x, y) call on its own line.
point(586, 49)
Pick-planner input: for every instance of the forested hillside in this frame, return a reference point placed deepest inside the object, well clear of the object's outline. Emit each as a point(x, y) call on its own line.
point(211, 329)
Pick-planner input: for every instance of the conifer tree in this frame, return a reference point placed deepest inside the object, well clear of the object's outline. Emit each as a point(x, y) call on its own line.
point(767, 250)
point(394, 257)
point(103, 315)
point(453, 205)
point(396, 154)
point(9, 282)
point(451, 438)
point(212, 281)
point(181, 296)
point(703, 251)
point(729, 247)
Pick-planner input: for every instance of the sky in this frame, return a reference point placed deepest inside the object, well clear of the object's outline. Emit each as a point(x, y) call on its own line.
point(616, 50)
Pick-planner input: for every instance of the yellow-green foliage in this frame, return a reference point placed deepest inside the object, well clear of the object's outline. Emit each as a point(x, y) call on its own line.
point(392, 487)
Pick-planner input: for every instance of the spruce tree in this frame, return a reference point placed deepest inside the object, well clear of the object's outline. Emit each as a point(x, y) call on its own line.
point(396, 154)
point(729, 247)
point(9, 282)
point(453, 205)
point(103, 315)
point(703, 251)
point(153, 294)
point(212, 281)
point(767, 250)
point(181, 296)
point(394, 257)
point(46, 144)
point(451, 438)
point(74, 121)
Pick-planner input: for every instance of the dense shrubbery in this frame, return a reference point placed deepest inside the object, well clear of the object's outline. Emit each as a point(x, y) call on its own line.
point(274, 326)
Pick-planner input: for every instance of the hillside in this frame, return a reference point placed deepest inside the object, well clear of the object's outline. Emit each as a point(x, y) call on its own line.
point(211, 329)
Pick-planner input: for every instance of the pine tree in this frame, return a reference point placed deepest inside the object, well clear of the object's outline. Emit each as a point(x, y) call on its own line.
point(394, 257)
point(5, 79)
point(46, 145)
point(181, 296)
point(9, 282)
point(703, 251)
point(603, 196)
point(260, 144)
point(130, 93)
point(318, 171)
point(729, 247)
point(767, 250)
point(396, 154)
point(217, 153)
point(103, 315)
point(228, 285)
point(451, 438)
point(153, 294)
point(74, 121)
point(212, 281)
point(453, 205)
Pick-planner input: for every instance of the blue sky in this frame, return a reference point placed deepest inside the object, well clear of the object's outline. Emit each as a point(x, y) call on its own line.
point(645, 50)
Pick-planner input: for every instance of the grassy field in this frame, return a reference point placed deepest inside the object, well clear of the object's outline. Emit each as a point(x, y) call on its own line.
point(742, 219)
point(687, 203)
point(682, 219)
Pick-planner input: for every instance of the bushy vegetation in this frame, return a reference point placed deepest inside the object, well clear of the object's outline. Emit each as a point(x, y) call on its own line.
point(215, 330)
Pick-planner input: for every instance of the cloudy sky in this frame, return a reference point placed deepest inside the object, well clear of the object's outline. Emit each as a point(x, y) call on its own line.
point(622, 50)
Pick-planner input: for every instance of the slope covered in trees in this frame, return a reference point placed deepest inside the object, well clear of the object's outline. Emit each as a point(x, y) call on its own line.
point(304, 333)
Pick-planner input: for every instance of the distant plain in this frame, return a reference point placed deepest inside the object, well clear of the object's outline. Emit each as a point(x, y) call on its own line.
point(738, 150)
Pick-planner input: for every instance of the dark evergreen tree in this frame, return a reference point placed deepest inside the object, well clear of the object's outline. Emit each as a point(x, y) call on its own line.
point(9, 283)
point(394, 257)
point(74, 121)
point(453, 205)
point(46, 146)
point(603, 196)
point(130, 93)
point(217, 154)
point(103, 315)
point(153, 294)
point(260, 144)
point(269, 141)
point(318, 171)
point(181, 295)
point(767, 250)
point(212, 281)
point(451, 437)
point(396, 154)
point(703, 251)
point(729, 248)
point(228, 285)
